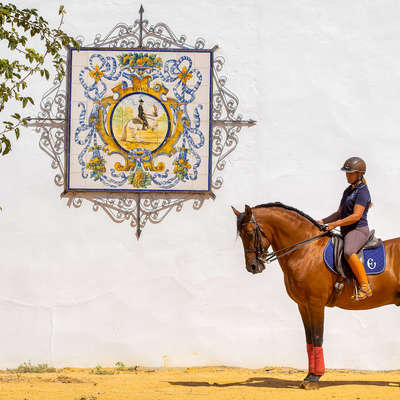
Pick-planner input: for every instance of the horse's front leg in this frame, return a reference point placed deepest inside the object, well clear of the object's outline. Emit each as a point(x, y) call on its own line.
point(313, 320)
point(307, 328)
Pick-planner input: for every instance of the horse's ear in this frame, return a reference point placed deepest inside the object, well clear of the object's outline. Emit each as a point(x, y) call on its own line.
point(237, 213)
point(247, 211)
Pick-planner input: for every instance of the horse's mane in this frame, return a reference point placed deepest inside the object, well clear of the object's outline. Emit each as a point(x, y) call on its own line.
point(280, 205)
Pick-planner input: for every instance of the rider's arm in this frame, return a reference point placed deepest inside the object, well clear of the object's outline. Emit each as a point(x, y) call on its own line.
point(351, 219)
point(333, 217)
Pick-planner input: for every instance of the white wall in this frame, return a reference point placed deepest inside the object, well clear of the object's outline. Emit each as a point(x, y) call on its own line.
point(322, 80)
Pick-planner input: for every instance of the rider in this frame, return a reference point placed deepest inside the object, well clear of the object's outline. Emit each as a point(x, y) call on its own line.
point(142, 115)
point(352, 219)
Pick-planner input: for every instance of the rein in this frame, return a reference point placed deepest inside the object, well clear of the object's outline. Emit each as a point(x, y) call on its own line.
point(263, 255)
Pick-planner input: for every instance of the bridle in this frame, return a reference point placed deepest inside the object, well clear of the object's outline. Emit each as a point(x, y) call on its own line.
point(259, 249)
point(262, 254)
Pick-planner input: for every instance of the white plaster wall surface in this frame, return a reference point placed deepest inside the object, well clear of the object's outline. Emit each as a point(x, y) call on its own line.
point(322, 80)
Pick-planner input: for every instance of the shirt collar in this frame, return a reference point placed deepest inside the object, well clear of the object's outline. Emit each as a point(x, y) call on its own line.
point(359, 186)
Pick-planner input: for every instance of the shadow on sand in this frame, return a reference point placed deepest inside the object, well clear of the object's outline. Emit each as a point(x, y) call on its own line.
point(280, 383)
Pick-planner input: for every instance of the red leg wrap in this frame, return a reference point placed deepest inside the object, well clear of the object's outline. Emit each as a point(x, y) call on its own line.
point(319, 361)
point(311, 358)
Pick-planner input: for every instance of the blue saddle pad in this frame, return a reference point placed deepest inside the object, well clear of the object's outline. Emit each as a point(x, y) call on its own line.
point(374, 259)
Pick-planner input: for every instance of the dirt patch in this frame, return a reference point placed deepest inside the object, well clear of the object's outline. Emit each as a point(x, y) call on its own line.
point(67, 379)
point(9, 378)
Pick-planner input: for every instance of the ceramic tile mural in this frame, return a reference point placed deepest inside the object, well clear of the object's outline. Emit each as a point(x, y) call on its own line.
point(139, 120)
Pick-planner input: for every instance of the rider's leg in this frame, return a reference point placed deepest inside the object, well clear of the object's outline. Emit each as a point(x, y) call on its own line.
point(358, 269)
point(353, 241)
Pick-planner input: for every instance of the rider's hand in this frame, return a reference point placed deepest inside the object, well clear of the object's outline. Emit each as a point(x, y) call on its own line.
point(320, 222)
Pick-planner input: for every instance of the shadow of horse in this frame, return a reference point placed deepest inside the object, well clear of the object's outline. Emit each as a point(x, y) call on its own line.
point(280, 383)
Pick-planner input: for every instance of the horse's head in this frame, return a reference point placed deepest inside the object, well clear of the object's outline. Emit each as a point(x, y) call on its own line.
point(255, 241)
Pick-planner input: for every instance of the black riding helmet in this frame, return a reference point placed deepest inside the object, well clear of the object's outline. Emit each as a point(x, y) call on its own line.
point(354, 164)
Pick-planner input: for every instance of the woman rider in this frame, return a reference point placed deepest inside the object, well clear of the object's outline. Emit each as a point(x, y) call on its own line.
point(352, 219)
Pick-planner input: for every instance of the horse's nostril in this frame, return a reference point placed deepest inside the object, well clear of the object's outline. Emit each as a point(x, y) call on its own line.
point(253, 268)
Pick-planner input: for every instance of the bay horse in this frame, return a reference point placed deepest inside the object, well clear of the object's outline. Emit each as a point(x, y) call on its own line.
point(308, 281)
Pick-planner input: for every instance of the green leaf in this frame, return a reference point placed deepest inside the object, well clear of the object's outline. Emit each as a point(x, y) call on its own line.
point(4, 142)
point(17, 133)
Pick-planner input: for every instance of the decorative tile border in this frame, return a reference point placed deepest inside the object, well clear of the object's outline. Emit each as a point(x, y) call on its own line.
point(139, 120)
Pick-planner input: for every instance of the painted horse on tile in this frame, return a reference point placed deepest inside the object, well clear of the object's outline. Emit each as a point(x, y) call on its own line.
point(308, 281)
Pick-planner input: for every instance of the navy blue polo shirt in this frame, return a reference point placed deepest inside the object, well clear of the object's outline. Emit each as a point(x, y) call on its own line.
point(351, 197)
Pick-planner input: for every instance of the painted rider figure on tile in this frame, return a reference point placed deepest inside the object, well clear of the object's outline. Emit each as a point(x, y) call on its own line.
point(142, 115)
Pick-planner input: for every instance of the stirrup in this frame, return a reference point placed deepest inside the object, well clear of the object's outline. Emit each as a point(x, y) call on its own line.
point(362, 294)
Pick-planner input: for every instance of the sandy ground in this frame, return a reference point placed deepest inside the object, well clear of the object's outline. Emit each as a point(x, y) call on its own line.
point(218, 383)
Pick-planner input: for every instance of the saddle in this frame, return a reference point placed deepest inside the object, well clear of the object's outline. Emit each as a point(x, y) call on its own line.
point(371, 254)
point(342, 267)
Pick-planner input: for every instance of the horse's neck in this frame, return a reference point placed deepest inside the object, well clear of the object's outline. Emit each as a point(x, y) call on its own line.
point(285, 227)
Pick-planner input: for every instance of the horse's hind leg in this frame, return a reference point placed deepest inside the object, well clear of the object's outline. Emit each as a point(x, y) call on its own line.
point(313, 320)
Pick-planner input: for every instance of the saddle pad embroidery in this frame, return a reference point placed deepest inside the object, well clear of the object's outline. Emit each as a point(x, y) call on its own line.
point(374, 259)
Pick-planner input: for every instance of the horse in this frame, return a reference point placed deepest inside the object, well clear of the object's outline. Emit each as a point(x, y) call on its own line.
point(133, 125)
point(308, 281)
point(130, 129)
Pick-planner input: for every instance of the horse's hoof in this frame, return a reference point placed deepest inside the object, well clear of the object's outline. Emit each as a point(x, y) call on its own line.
point(307, 385)
point(309, 377)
